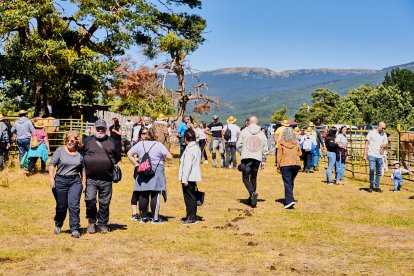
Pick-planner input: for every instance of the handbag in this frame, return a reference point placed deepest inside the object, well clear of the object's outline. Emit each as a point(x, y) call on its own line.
point(33, 142)
point(200, 197)
point(116, 173)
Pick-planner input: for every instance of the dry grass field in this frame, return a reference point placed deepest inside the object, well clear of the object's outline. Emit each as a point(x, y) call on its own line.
point(333, 230)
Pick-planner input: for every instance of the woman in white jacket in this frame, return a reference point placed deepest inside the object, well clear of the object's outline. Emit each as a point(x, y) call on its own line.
point(189, 174)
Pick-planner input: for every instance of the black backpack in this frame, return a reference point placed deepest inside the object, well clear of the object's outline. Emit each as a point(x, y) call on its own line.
point(145, 167)
point(227, 134)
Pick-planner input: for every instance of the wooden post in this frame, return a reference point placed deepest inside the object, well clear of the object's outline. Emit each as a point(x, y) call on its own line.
point(398, 141)
point(352, 149)
point(81, 125)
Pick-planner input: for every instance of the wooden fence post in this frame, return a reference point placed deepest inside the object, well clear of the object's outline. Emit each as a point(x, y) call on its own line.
point(398, 141)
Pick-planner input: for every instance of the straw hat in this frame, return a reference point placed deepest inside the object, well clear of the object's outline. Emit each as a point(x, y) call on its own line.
point(285, 123)
point(395, 163)
point(22, 112)
point(311, 124)
point(161, 117)
point(296, 130)
point(39, 125)
point(231, 120)
point(308, 130)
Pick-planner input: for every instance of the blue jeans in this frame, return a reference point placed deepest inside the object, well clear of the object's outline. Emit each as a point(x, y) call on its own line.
point(315, 157)
point(288, 175)
point(397, 184)
point(340, 168)
point(67, 193)
point(375, 165)
point(24, 146)
point(331, 163)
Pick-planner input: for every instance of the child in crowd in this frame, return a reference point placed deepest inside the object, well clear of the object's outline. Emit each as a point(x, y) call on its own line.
point(396, 175)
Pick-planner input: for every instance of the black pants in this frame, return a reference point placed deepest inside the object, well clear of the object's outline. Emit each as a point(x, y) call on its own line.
point(307, 160)
point(118, 146)
point(144, 201)
point(134, 198)
point(250, 174)
point(190, 199)
point(202, 143)
point(32, 164)
point(231, 154)
point(288, 175)
point(67, 193)
point(104, 190)
point(3, 156)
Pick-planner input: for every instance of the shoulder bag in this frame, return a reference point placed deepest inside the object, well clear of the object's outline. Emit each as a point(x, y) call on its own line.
point(117, 173)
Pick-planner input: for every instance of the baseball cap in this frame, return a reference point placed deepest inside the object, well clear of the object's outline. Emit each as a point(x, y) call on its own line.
point(100, 123)
point(215, 117)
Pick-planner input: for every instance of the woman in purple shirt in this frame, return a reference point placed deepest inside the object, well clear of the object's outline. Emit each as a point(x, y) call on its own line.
point(149, 185)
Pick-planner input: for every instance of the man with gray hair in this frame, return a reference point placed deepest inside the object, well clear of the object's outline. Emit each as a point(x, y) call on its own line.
point(252, 145)
point(375, 146)
point(100, 155)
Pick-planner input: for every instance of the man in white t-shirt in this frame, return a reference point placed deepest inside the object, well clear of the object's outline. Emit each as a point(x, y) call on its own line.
point(374, 151)
point(231, 142)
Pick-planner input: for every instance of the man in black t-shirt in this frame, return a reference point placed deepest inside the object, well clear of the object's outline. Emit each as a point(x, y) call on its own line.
point(100, 155)
point(215, 128)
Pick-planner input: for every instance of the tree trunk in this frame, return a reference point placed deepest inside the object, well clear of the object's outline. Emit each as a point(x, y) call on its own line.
point(40, 101)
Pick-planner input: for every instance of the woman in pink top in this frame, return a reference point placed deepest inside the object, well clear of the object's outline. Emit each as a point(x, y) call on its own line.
point(41, 151)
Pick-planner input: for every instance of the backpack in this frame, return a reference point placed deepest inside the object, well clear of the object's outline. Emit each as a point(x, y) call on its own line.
point(227, 134)
point(145, 167)
point(307, 144)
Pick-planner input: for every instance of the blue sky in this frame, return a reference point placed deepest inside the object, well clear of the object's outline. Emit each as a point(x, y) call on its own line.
point(295, 34)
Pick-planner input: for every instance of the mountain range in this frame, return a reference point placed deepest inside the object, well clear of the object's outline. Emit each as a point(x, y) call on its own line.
point(246, 91)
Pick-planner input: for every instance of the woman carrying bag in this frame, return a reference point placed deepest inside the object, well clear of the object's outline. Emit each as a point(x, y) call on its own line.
point(189, 174)
point(151, 181)
point(39, 148)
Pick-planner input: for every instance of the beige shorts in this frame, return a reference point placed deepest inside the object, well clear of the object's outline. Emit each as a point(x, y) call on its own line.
point(217, 144)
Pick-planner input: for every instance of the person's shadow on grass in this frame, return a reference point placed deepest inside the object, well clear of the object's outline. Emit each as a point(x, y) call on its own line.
point(364, 189)
point(246, 201)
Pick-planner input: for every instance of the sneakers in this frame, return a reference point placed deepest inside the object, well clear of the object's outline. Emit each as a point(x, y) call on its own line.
point(188, 222)
point(157, 221)
point(75, 234)
point(214, 163)
point(91, 228)
point(253, 199)
point(330, 183)
point(290, 205)
point(378, 190)
point(57, 230)
point(205, 162)
point(135, 217)
point(396, 191)
point(144, 220)
point(103, 229)
point(370, 190)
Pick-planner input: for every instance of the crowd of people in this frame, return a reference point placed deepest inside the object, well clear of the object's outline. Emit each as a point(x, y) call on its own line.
point(87, 165)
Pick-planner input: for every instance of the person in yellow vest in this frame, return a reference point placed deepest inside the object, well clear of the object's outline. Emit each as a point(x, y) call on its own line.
point(278, 135)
